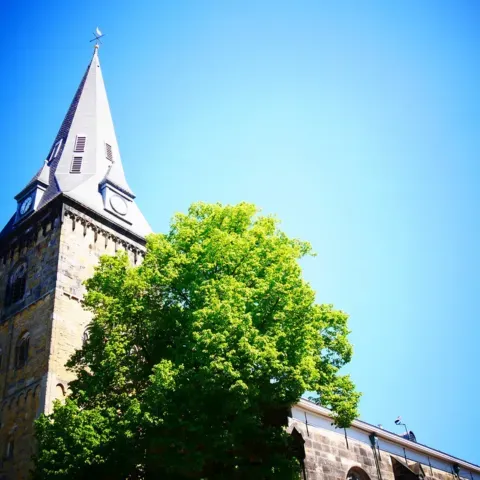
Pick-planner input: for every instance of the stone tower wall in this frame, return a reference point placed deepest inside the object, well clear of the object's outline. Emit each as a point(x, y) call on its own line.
point(60, 254)
point(82, 242)
point(23, 388)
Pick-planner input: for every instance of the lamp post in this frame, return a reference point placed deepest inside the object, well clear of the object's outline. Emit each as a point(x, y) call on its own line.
point(398, 421)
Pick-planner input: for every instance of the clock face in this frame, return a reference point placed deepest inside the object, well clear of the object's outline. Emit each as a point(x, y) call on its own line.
point(119, 204)
point(25, 206)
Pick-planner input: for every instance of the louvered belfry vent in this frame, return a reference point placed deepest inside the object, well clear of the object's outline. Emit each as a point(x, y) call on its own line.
point(76, 165)
point(80, 144)
point(109, 152)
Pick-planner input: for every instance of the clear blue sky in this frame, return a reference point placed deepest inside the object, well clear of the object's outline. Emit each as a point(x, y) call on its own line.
point(357, 123)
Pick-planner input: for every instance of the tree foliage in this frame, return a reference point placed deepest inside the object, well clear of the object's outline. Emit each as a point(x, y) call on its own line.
point(194, 358)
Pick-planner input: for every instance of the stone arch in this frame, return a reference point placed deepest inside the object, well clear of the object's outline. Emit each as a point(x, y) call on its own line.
point(28, 397)
point(60, 392)
point(356, 473)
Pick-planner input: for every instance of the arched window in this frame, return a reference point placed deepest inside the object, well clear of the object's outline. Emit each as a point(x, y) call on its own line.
point(298, 449)
point(21, 350)
point(85, 336)
point(16, 284)
point(356, 473)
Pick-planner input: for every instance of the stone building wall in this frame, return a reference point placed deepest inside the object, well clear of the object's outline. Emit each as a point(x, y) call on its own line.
point(330, 457)
point(83, 241)
point(331, 454)
point(60, 255)
point(23, 387)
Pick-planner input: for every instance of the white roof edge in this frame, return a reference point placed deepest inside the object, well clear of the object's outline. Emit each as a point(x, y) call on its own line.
point(139, 238)
point(380, 433)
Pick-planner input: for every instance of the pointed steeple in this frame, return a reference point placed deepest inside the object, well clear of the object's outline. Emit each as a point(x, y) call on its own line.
point(90, 136)
point(84, 161)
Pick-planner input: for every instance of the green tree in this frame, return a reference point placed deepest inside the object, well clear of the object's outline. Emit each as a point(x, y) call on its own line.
point(195, 357)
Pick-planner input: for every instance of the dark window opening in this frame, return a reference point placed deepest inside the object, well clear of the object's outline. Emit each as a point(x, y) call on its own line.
point(402, 471)
point(21, 351)
point(16, 285)
point(297, 446)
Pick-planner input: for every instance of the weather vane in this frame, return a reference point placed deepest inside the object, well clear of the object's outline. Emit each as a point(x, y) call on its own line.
point(98, 35)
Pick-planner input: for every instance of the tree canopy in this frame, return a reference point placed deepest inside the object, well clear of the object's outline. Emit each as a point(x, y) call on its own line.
point(194, 357)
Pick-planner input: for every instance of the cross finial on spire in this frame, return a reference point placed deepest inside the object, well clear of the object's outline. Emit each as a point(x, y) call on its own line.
point(98, 35)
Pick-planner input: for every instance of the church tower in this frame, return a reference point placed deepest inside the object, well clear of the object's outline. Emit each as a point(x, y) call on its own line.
point(76, 208)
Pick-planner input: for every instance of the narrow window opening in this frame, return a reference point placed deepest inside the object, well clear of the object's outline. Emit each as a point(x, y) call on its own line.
point(297, 446)
point(80, 144)
point(76, 165)
point(109, 152)
point(9, 449)
point(21, 351)
point(16, 284)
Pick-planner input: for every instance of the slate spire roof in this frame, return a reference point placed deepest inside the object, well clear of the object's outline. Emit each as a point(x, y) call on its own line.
point(84, 161)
